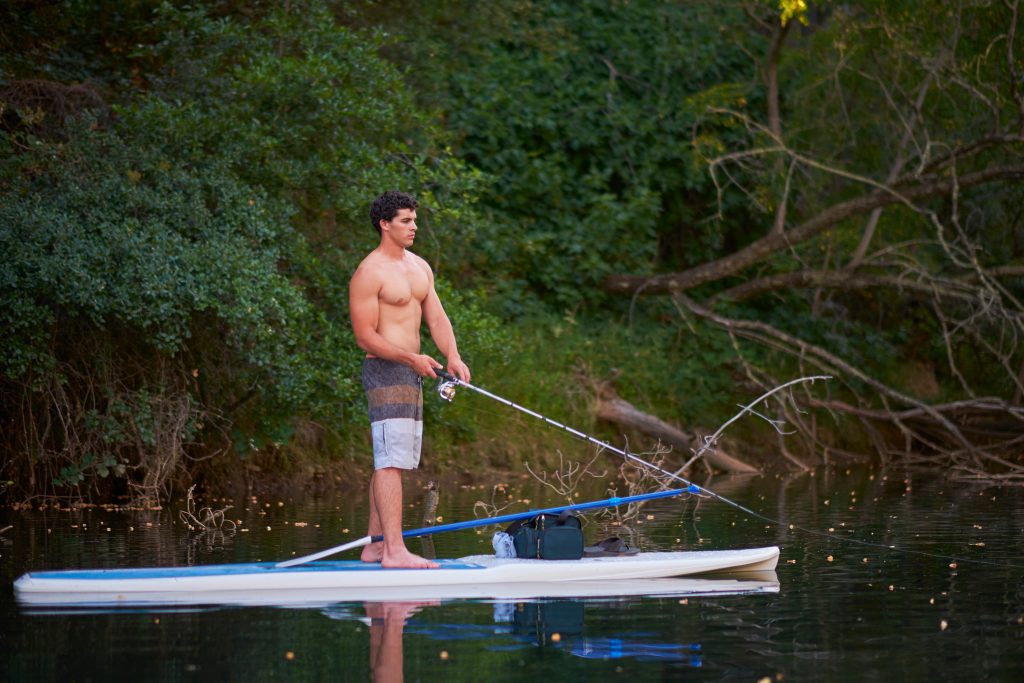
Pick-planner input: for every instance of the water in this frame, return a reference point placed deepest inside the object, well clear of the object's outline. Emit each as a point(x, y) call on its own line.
point(843, 611)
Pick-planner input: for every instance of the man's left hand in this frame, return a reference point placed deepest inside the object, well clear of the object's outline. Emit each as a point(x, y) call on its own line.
point(459, 369)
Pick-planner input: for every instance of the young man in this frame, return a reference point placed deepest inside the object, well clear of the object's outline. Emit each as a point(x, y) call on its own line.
point(391, 292)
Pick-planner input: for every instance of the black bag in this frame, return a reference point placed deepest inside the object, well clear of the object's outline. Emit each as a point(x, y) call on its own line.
point(548, 537)
point(542, 620)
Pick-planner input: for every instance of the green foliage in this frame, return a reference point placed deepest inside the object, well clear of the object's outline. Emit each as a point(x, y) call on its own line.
point(101, 466)
point(183, 195)
point(199, 242)
point(75, 41)
point(294, 102)
point(117, 234)
point(580, 114)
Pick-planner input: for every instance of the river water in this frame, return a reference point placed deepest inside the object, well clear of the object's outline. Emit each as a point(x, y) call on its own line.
point(946, 603)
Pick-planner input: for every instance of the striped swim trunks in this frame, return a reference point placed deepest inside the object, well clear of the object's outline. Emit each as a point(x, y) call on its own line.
point(394, 396)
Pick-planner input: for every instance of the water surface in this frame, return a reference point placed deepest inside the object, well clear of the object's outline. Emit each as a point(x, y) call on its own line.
point(948, 604)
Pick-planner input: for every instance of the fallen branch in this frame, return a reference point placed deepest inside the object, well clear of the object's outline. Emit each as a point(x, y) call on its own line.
point(615, 409)
point(709, 441)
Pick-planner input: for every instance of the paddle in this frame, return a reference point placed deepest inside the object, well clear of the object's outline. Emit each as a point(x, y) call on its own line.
point(455, 526)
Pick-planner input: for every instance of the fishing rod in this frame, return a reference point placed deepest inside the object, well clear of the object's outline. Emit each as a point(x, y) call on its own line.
point(446, 389)
point(485, 521)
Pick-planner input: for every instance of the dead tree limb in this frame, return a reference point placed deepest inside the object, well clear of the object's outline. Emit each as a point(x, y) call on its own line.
point(621, 412)
point(773, 243)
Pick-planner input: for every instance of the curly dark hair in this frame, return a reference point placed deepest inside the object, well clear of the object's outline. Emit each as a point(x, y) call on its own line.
point(387, 205)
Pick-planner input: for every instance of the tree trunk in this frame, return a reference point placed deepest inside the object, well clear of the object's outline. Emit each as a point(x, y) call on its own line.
point(614, 409)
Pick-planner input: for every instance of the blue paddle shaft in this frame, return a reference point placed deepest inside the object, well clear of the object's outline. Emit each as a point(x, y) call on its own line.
point(608, 502)
point(591, 505)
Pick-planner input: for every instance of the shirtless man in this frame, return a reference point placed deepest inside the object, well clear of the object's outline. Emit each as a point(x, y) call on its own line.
point(391, 292)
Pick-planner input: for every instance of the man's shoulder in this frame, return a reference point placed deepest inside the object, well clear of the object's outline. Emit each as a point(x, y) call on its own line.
point(369, 268)
point(418, 261)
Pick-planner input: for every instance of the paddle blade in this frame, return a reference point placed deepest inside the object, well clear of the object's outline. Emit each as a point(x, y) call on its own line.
point(294, 562)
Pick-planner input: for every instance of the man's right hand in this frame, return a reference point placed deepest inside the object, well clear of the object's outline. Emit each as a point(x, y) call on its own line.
point(424, 365)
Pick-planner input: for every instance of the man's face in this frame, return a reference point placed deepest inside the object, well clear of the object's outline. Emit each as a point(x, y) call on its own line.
point(401, 228)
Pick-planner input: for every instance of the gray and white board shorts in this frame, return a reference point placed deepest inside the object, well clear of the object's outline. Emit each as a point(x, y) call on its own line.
point(394, 397)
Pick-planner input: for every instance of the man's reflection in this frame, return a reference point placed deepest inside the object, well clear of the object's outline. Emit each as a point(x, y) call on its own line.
point(387, 625)
point(518, 624)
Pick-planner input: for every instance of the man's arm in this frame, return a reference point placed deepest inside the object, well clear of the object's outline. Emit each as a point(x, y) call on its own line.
point(364, 311)
point(441, 331)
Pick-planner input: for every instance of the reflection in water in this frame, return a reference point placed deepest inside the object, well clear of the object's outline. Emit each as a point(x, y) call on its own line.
point(387, 625)
point(843, 610)
point(557, 624)
point(560, 624)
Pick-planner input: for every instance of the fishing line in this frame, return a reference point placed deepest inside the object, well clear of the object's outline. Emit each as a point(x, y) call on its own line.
point(446, 390)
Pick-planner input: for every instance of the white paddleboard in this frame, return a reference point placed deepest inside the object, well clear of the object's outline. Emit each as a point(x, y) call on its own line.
point(476, 576)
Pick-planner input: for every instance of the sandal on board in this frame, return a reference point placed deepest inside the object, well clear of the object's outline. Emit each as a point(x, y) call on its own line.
point(610, 547)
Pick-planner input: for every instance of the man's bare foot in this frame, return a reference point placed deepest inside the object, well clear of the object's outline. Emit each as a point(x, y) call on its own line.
point(373, 552)
point(403, 559)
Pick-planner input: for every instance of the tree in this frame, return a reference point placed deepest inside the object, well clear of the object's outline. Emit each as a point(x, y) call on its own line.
point(179, 226)
point(884, 167)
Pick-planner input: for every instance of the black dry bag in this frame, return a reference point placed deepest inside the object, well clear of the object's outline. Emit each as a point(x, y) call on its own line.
point(548, 537)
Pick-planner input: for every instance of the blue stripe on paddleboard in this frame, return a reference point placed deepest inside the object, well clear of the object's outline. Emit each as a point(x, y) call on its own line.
point(228, 570)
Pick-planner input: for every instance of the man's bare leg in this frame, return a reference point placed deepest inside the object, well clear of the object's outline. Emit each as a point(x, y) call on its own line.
point(387, 498)
point(387, 622)
point(375, 551)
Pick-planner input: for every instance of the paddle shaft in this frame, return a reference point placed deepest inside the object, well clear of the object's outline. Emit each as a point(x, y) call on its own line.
point(455, 526)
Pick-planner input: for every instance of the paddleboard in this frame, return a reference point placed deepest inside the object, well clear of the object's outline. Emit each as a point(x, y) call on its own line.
point(475, 576)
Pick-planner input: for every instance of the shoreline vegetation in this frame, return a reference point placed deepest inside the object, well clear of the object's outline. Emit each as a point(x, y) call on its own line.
point(640, 215)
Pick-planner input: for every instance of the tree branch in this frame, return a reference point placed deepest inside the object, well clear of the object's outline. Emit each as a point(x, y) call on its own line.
point(770, 244)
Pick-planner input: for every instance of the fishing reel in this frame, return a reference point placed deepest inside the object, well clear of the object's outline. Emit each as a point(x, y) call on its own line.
point(446, 389)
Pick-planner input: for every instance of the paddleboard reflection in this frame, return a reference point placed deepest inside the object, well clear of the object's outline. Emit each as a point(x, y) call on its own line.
point(542, 622)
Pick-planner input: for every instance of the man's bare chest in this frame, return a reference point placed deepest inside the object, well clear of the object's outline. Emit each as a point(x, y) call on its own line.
point(403, 284)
